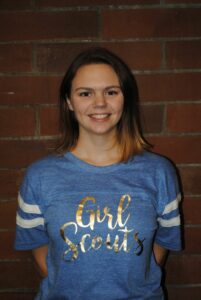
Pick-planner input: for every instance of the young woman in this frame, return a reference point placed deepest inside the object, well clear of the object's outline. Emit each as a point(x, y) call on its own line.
point(100, 215)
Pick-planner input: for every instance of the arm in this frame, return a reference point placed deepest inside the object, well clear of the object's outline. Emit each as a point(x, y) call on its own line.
point(40, 255)
point(160, 254)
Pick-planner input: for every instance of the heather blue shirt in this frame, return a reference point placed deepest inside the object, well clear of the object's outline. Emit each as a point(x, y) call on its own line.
point(100, 224)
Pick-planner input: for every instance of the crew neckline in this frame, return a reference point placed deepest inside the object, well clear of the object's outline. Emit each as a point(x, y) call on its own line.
point(92, 168)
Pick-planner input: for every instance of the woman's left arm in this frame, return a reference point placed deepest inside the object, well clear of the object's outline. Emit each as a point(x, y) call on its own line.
point(160, 254)
point(40, 255)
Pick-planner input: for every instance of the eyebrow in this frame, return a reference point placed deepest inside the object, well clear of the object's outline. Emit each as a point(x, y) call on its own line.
point(90, 88)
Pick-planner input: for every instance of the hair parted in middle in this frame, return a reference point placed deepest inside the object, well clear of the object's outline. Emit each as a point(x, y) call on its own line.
point(129, 134)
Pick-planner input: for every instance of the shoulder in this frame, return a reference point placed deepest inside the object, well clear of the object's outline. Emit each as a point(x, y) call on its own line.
point(44, 165)
point(155, 161)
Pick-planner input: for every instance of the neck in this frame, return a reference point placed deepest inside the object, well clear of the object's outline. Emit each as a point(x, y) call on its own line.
point(98, 150)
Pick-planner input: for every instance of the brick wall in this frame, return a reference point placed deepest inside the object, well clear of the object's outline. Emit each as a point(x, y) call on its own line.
point(161, 41)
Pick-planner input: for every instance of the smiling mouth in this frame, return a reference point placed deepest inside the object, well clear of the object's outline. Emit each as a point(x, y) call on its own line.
point(99, 116)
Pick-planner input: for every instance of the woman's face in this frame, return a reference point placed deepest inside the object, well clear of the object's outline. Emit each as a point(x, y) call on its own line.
point(96, 99)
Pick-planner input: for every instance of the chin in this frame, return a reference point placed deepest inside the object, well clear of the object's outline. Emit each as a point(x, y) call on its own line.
point(102, 132)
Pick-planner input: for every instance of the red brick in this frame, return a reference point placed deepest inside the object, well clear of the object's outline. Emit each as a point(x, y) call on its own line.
point(19, 154)
point(8, 214)
point(15, 58)
point(9, 183)
point(16, 5)
point(183, 54)
point(184, 269)
point(12, 295)
point(48, 25)
point(169, 87)
point(184, 292)
point(184, 118)
point(18, 275)
point(191, 177)
point(57, 57)
point(7, 251)
point(152, 118)
point(63, 3)
point(17, 122)
point(183, 1)
point(138, 55)
point(49, 121)
point(38, 90)
point(181, 149)
point(192, 210)
point(192, 240)
point(150, 23)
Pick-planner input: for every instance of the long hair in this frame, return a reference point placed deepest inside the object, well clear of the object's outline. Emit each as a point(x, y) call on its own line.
point(129, 134)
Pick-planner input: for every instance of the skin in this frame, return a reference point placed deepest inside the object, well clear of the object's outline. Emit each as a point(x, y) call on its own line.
point(40, 255)
point(160, 254)
point(97, 101)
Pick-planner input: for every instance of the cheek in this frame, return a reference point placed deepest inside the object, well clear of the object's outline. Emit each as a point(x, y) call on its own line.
point(80, 108)
point(120, 105)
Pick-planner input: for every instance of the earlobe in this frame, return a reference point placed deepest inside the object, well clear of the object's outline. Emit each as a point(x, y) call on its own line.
point(69, 104)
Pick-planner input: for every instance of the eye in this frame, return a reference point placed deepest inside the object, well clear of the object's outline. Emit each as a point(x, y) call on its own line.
point(85, 94)
point(112, 92)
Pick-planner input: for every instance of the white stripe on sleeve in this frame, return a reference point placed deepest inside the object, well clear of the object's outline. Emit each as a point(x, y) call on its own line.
point(170, 223)
point(24, 223)
point(172, 205)
point(28, 208)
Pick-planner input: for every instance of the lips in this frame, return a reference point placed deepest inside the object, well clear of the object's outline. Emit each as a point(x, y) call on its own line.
point(99, 116)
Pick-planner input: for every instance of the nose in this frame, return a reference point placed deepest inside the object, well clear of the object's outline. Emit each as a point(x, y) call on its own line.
point(99, 100)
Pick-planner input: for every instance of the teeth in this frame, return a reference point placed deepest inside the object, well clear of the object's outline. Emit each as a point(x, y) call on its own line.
point(100, 116)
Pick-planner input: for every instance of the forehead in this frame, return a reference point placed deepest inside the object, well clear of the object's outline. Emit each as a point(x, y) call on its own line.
point(95, 74)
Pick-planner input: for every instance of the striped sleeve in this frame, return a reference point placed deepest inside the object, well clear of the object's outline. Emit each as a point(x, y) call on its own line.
point(168, 234)
point(26, 210)
point(30, 222)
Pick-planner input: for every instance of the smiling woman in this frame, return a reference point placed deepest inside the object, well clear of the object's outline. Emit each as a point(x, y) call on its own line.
point(97, 102)
point(103, 76)
point(101, 213)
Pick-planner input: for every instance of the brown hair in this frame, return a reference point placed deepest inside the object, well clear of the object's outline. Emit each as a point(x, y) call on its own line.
point(129, 134)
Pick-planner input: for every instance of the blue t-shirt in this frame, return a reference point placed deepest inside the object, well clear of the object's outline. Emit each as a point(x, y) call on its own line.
point(100, 224)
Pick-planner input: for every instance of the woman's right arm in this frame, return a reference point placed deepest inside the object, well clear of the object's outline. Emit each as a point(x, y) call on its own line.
point(40, 255)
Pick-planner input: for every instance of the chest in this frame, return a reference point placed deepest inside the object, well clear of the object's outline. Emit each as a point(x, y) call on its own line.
point(116, 216)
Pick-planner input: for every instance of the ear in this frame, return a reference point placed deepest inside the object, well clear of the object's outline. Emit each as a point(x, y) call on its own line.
point(69, 104)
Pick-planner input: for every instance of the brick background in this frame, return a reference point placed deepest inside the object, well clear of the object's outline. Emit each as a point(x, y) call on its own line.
point(184, 55)
point(39, 89)
point(15, 58)
point(36, 25)
point(155, 22)
point(161, 41)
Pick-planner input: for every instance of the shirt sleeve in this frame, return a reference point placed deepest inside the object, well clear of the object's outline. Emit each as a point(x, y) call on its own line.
point(168, 234)
point(30, 222)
